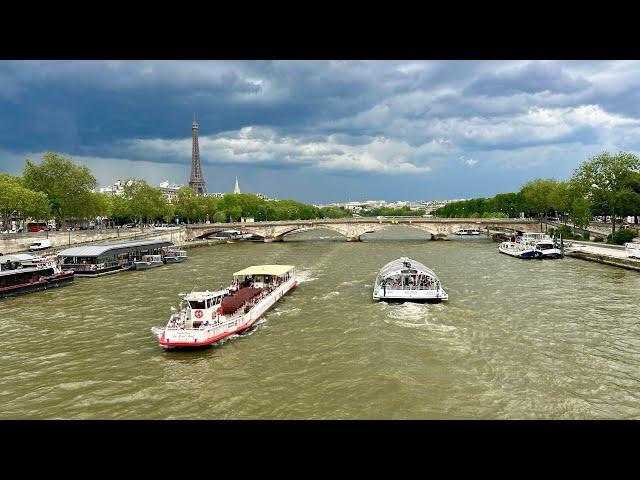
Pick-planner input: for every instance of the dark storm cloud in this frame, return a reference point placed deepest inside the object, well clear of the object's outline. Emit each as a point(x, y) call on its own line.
point(384, 120)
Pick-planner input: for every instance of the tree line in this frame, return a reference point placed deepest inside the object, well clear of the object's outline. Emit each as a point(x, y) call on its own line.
point(605, 185)
point(59, 188)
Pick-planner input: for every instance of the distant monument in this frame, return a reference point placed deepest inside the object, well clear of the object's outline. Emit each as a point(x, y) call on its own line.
point(196, 181)
point(237, 187)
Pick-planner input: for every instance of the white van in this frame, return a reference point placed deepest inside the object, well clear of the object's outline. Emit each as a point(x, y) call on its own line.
point(40, 245)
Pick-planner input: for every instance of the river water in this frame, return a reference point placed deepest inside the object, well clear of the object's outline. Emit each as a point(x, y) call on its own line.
point(518, 339)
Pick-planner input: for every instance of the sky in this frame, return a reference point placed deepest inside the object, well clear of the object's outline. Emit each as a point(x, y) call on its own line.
point(323, 131)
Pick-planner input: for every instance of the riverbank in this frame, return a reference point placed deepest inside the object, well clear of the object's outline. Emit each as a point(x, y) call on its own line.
point(614, 255)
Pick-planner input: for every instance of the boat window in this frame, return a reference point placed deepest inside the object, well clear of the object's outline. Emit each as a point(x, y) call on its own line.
point(197, 304)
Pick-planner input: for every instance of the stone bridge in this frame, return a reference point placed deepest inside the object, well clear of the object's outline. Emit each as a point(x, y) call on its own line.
point(353, 228)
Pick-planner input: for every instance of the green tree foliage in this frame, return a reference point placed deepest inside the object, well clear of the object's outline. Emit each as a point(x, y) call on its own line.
point(391, 212)
point(146, 202)
point(539, 195)
point(190, 207)
point(621, 237)
point(17, 201)
point(67, 185)
point(605, 179)
point(508, 205)
point(333, 212)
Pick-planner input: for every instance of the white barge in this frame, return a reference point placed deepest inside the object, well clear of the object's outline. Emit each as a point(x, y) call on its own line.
point(408, 280)
point(206, 317)
point(520, 250)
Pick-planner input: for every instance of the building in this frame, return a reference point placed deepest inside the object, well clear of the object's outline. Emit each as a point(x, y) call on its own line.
point(116, 189)
point(236, 189)
point(170, 191)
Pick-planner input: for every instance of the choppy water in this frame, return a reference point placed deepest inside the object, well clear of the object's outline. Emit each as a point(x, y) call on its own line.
point(517, 339)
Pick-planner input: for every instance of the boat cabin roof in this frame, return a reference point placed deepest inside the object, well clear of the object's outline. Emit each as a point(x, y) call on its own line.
point(18, 257)
point(97, 250)
point(201, 296)
point(275, 270)
point(405, 265)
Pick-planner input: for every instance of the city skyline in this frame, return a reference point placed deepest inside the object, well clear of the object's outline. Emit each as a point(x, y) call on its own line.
point(323, 131)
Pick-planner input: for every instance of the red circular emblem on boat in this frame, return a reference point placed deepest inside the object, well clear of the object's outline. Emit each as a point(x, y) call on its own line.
point(198, 313)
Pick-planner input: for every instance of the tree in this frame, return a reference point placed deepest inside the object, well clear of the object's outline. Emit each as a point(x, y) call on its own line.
point(538, 194)
point(188, 205)
point(18, 201)
point(146, 202)
point(603, 177)
point(66, 184)
point(561, 198)
point(580, 212)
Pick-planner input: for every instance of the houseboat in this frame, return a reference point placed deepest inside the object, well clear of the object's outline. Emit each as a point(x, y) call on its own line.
point(147, 262)
point(206, 317)
point(520, 250)
point(23, 273)
point(174, 255)
point(96, 260)
point(544, 243)
point(632, 249)
point(408, 280)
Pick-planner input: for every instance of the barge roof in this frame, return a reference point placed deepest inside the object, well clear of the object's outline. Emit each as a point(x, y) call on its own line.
point(97, 250)
point(265, 270)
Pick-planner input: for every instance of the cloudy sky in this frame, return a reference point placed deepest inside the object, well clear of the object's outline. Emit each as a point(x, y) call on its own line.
point(323, 131)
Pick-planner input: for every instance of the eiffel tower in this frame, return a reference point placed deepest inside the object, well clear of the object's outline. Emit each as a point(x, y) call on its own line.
point(196, 181)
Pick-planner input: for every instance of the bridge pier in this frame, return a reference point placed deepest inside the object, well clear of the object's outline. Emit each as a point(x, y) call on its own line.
point(273, 239)
point(354, 239)
point(439, 236)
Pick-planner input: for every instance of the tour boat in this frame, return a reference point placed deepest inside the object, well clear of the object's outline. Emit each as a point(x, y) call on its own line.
point(148, 261)
point(632, 249)
point(520, 250)
point(544, 243)
point(22, 273)
point(175, 256)
point(206, 317)
point(408, 280)
point(468, 231)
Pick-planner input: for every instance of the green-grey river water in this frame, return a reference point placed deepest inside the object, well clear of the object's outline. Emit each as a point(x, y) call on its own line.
point(517, 339)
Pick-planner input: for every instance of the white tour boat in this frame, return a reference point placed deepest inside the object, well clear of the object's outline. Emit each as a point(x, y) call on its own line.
point(206, 317)
point(406, 279)
point(544, 243)
point(468, 231)
point(172, 255)
point(632, 249)
point(520, 250)
point(148, 261)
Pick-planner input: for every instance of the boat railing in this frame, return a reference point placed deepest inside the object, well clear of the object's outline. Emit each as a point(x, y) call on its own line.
point(410, 287)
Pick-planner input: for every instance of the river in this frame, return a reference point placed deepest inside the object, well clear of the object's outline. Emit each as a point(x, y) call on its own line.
point(553, 339)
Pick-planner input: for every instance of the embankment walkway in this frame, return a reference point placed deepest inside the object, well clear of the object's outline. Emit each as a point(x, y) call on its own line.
point(614, 255)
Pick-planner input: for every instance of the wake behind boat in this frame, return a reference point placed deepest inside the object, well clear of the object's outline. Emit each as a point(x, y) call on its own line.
point(206, 317)
point(406, 279)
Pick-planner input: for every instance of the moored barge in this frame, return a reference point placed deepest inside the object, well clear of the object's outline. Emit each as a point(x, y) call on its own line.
point(97, 260)
point(22, 273)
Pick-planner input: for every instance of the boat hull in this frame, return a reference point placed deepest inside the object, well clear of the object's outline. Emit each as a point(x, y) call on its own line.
point(526, 254)
point(51, 282)
point(432, 296)
point(146, 266)
point(170, 339)
point(174, 259)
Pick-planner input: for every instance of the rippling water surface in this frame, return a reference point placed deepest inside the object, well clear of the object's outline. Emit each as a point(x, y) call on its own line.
point(517, 339)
